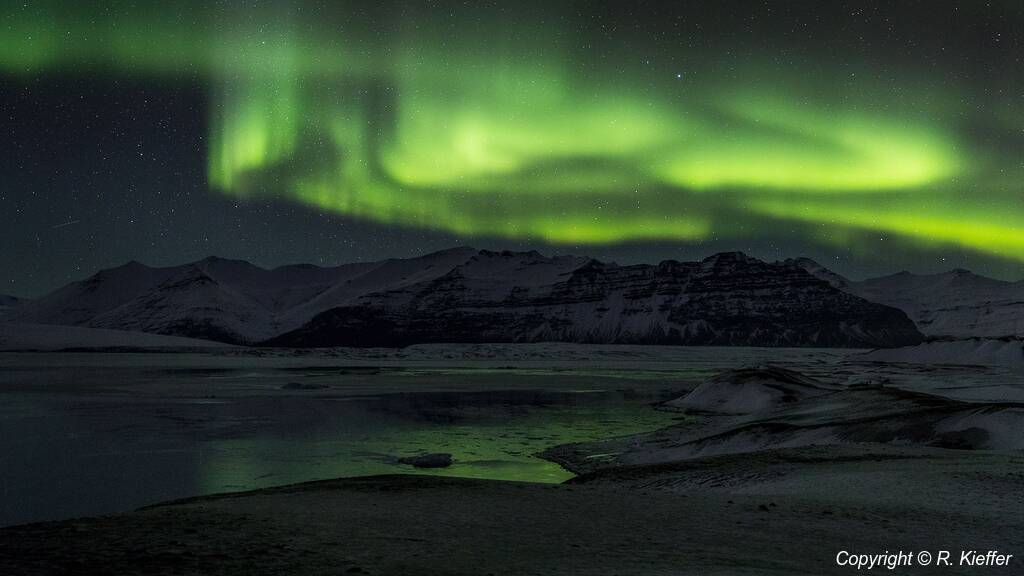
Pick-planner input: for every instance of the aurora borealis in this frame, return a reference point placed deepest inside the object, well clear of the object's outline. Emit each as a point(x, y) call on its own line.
point(583, 124)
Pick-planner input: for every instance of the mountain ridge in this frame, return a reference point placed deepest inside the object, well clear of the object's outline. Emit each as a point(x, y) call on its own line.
point(953, 304)
point(464, 294)
point(726, 299)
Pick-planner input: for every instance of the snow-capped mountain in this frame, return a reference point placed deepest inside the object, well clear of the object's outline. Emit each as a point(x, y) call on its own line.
point(727, 299)
point(225, 300)
point(465, 295)
point(957, 304)
point(819, 271)
point(78, 302)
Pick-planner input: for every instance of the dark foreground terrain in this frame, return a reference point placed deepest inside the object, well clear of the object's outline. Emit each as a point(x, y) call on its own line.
point(775, 512)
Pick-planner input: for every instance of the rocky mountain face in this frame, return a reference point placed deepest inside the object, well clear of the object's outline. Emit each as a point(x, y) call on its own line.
point(728, 299)
point(465, 295)
point(954, 304)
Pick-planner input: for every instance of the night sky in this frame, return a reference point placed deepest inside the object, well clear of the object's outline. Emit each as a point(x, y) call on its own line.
point(872, 138)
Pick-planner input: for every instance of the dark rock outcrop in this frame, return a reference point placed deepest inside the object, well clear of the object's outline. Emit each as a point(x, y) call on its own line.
point(728, 299)
point(434, 460)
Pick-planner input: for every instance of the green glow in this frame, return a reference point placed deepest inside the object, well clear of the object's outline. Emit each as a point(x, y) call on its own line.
point(790, 146)
point(492, 143)
point(490, 445)
point(992, 232)
point(465, 121)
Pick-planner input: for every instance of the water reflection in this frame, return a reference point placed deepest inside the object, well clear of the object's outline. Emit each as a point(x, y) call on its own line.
point(85, 434)
point(101, 439)
point(490, 435)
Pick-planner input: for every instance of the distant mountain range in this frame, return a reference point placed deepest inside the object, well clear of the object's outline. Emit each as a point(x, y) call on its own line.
point(954, 304)
point(218, 299)
point(468, 295)
point(728, 299)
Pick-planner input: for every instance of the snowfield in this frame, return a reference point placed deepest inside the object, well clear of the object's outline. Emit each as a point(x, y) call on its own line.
point(973, 351)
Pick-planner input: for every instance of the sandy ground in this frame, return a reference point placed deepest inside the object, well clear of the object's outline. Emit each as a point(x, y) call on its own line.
point(775, 512)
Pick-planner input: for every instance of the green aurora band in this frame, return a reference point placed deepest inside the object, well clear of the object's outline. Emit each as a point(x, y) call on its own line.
point(485, 125)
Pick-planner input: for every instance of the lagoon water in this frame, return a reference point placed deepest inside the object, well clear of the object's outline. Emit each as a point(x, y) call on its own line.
point(95, 433)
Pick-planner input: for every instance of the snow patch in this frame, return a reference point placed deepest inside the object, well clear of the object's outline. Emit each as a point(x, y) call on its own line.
point(749, 391)
point(973, 351)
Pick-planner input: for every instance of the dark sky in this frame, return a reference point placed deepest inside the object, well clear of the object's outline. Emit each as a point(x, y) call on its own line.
point(873, 138)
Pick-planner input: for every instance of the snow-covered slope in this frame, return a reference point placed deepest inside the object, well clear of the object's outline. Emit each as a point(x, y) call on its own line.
point(192, 303)
point(758, 409)
point(226, 300)
point(957, 303)
point(465, 295)
point(727, 299)
point(79, 302)
point(969, 351)
point(821, 272)
point(749, 391)
point(360, 279)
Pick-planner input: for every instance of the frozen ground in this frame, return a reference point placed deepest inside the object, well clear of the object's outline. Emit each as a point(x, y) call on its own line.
point(779, 513)
point(1006, 352)
point(88, 433)
point(726, 480)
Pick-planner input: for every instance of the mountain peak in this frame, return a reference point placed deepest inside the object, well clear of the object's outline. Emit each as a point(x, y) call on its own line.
point(803, 262)
point(728, 258)
point(128, 269)
point(484, 296)
point(452, 250)
point(962, 272)
point(509, 254)
point(728, 299)
point(131, 265)
point(733, 255)
point(456, 252)
point(189, 274)
point(820, 272)
point(220, 260)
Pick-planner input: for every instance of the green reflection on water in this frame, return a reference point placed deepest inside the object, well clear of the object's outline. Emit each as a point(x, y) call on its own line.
point(487, 442)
